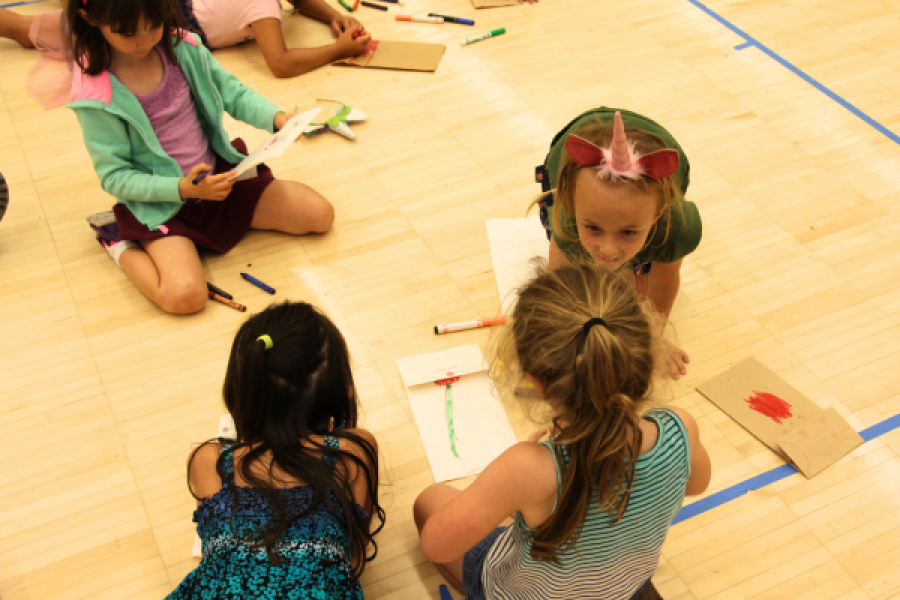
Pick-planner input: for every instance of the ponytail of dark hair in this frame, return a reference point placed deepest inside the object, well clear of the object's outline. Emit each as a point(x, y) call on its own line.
point(282, 396)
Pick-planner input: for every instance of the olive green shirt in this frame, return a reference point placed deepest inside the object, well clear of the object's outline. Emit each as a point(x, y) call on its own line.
point(672, 238)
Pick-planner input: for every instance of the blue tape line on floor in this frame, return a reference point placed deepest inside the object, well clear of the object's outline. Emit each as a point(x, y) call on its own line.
point(769, 477)
point(744, 45)
point(20, 3)
point(777, 58)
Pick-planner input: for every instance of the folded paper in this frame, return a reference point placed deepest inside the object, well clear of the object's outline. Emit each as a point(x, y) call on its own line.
point(462, 429)
point(514, 243)
point(782, 418)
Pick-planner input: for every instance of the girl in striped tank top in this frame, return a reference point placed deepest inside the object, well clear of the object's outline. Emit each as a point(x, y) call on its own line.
point(585, 513)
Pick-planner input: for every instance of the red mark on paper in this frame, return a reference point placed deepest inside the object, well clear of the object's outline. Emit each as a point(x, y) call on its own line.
point(769, 405)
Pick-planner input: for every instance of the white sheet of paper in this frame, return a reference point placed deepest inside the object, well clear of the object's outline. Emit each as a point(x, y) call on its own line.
point(514, 242)
point(279, 141)
point(482, 428)
point(226, 430)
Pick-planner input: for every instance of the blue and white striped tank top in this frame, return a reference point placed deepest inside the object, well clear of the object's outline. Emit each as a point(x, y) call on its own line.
point(610, 561)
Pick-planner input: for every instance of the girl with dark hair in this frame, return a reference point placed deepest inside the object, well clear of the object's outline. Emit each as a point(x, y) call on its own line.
point(592, 505)
point(150, 100)
point(286, 510)
point(223, 23)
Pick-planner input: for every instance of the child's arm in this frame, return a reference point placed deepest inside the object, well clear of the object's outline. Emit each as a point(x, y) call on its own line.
point(661, 288)
point(663, 283)
point(354, 473)
point(285, 62)
point(321, 11)
point(521, 479)
point(203, 478)
point(107, 142)
point(701, 467)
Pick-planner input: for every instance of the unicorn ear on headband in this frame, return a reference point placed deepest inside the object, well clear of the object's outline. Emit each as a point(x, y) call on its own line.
point(620, 159)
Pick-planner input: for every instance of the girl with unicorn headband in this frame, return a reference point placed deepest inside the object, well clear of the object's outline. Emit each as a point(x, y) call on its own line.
point(613, 193)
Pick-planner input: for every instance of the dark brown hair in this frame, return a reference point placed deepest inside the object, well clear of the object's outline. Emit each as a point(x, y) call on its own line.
point(596, 380)
point(86, 42)
point(279, 398)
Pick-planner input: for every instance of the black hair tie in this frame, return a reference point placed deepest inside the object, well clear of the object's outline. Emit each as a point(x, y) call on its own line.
point(593, 321)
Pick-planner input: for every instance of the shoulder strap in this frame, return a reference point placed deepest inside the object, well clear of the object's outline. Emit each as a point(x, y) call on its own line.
point(333, 443)
point(225, 464)
point(555, 452)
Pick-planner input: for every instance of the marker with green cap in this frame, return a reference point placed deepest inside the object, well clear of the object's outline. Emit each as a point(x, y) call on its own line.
point(483, 36)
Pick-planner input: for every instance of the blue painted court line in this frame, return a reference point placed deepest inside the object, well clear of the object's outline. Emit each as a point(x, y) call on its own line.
point(20, 3)
point(744, 45)
point(769, 477)
point(777, 58)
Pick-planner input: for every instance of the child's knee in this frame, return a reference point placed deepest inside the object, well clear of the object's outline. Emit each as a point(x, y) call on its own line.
point(324, 217)
point(184, 298)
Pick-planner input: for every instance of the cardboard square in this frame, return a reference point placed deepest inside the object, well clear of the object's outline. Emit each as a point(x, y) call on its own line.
point(405, 56)
point(782, 418)
point(749, 379)
point(819, 442)
point(493, 3)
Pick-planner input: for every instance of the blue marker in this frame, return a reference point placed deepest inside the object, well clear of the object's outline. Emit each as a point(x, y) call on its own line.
point(258, 283)
point(447, 19)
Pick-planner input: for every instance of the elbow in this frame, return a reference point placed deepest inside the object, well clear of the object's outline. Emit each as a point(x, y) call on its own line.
point(432, 550)
point(279, 70)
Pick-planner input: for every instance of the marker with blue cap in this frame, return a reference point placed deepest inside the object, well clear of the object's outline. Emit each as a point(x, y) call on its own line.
point(458, 20)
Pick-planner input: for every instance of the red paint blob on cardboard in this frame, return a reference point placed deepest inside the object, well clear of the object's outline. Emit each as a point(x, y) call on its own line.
point(770, 406)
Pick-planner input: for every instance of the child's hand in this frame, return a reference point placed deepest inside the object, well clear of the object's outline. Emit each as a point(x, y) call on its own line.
point(210, 187)
point(676, 359)
point(352, 42)
point(282, 117)
point(344, 23)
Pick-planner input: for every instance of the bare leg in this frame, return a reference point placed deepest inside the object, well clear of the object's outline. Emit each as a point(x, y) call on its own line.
point(429, 501)
point(169, 273)
point(292, 207)
point(14, 26)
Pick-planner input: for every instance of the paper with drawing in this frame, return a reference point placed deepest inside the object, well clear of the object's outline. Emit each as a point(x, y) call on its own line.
point(481, 428)
point(278, 142)
point(514, 242)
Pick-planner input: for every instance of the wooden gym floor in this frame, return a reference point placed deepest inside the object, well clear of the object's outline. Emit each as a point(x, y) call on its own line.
point(102, 395)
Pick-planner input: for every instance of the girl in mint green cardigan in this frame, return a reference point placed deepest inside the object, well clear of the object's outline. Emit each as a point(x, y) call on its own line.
point(150, 100)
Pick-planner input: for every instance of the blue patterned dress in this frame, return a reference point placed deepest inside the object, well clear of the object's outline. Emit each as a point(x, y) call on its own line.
point(315, 548)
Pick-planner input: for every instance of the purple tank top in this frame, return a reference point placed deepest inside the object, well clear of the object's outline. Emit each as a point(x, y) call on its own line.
point(173, 115)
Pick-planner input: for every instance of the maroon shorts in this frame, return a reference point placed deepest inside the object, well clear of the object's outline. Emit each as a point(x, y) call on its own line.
point(215, 225)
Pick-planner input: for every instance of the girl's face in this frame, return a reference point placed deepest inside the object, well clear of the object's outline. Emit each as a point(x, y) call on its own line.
point(136, 45)
point(613, 221)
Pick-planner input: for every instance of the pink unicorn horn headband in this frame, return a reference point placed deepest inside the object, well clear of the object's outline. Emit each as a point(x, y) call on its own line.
point(620, 159)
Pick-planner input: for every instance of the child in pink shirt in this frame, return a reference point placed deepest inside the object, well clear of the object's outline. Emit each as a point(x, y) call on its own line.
point(223, 23)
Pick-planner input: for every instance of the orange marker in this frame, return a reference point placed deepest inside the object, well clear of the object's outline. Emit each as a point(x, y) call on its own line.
point(476, 324)
point(356, 5)
point(419, 19)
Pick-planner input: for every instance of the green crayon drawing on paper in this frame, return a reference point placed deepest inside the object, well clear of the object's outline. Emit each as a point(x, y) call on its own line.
point(448, 410)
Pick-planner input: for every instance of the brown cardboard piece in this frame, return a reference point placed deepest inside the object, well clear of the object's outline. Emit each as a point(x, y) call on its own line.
point(405, 56)
point(782, 418)
point(493, 3)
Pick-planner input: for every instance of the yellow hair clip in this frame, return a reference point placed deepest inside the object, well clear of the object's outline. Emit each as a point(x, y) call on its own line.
point(265, 340)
